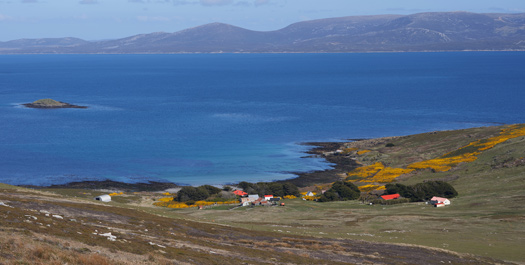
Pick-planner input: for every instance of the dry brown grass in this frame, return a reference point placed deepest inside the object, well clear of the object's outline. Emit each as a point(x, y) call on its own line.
point(45, 250)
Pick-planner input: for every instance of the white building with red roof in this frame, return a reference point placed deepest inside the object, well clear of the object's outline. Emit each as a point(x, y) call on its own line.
point(438, 200)
point(268, 197)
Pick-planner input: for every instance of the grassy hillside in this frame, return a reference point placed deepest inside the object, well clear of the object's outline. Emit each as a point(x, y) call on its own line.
point(484, 224)
point(486, 219)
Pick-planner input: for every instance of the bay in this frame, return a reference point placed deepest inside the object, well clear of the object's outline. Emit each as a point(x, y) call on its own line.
point(223, 118)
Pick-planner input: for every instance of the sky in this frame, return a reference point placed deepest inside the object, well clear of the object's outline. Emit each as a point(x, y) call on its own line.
point(113, 19)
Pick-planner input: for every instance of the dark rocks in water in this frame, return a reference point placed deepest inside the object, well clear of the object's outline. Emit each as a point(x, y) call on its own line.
point(48, 103)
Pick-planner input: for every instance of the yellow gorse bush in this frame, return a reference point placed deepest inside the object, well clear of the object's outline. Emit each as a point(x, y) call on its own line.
point(441, 164)
point(311, 198)
point(378, 173)
point(116, 193)
point(363, 152)
point(167, 199)
point(350, 149)
point(386, 175)
point(469, 152)
point(290, 197)
point(367, 171)
point(370, 187)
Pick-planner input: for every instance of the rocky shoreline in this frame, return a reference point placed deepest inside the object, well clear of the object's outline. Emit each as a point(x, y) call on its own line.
point(326, 150)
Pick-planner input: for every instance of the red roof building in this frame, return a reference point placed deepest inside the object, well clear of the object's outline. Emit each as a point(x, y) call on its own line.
point(268, 197)
point(240, 193)
point(390, 197)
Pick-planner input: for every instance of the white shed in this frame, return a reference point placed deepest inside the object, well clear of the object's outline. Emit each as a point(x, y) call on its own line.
point(103, 198)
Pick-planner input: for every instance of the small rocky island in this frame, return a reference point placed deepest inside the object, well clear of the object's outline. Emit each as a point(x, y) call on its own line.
point(48, 103)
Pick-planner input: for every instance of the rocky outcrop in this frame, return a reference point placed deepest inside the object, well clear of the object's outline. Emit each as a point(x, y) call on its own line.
point(48, 103)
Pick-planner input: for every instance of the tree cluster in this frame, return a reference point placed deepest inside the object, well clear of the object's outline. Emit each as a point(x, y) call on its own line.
point(200, 193)
point(422, 191)
point(341, 191)
point(269, 188)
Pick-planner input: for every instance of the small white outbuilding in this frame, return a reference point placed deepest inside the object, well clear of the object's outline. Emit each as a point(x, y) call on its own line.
point(103, 198)
point(437, 200)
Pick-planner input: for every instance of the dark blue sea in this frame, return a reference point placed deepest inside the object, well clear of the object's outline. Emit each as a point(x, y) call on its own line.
point(223, 118)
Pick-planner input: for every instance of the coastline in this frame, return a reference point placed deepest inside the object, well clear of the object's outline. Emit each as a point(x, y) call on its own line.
point(335, 153)
point(340, 165)
point(110, 185)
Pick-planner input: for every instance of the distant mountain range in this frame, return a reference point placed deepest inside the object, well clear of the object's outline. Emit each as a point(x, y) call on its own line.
point(447, 31)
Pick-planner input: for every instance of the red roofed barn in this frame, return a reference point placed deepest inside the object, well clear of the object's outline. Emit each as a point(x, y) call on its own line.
point(240, 193)
point(390, 197)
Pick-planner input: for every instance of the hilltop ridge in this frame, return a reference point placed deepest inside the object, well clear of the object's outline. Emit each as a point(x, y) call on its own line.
point(438, 31)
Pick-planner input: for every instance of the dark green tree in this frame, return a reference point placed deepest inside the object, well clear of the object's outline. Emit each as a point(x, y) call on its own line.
point(341, 191)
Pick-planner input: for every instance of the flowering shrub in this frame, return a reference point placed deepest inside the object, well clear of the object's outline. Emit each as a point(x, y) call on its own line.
point(362, 152)
point(442, 164)
point(377, 173)
point(348, 150)
point(366, 171)
point(311, 198)
point(469, 152)
point(387, 174)
point(370, 187)
point(167, 199)
point(290, 197)
point(116, 194)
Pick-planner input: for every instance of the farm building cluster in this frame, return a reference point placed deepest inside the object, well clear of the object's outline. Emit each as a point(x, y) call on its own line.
point(435, 201)
point(256, 200)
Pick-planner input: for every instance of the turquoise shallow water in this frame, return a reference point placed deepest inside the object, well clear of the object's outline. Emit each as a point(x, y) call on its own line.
point(223, 118)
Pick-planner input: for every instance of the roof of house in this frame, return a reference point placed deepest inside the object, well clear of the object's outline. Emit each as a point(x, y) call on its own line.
point(390, 196)
point(268, 196)
point(439, 199)
point(239, 192)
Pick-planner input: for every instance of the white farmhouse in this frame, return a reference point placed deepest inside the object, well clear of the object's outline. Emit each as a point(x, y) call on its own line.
point(438, 200)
